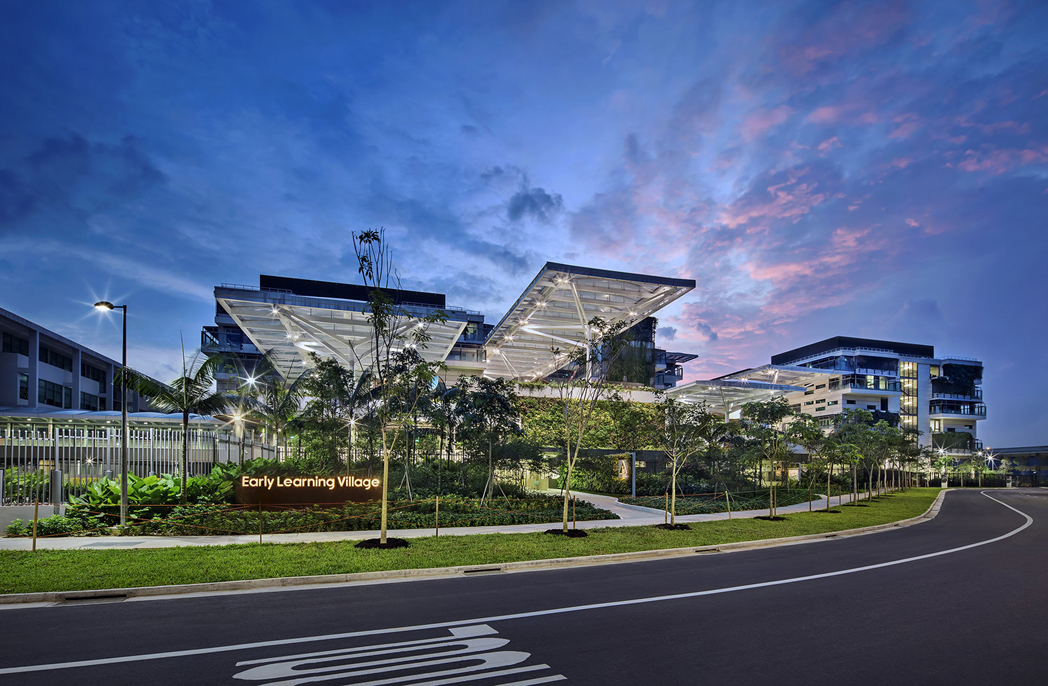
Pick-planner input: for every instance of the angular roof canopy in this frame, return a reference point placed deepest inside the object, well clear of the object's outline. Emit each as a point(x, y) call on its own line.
point(555, 311)
point(781, 374)
point(729, 395)
point(291, 326)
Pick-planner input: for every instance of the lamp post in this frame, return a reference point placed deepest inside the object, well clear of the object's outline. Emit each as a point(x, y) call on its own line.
point(108, 306)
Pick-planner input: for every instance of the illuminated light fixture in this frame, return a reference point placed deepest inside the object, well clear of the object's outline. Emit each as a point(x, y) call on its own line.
point(104, 305)
point(250, 381)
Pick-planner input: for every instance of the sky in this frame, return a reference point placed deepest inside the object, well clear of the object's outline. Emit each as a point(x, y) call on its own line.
point(872, 169)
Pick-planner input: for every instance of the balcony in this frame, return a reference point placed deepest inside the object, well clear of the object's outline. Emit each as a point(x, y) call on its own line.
point(212, 342)
point(957, 409)
point(862, 383)
point(954, 396)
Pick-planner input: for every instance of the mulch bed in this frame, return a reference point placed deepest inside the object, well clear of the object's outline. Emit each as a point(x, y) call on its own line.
point(377, 543)
point(570, 533)
point(828, 511)
point(771, 519)
point(673, 527)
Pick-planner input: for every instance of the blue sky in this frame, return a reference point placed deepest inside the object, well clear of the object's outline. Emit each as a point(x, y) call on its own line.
point(862, 169)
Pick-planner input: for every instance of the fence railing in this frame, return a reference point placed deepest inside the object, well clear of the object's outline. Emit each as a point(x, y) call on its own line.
point(49, 464)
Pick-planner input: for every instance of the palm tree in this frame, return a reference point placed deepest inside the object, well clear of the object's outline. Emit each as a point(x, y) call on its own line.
point(273, 399)
point(191, 393)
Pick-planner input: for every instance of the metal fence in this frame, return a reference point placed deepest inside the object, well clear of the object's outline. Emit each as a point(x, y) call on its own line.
point(49, 462)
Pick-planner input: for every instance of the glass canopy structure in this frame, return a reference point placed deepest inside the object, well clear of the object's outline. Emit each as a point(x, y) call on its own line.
point(290, 318)
point(551, 318)
point(290, 326)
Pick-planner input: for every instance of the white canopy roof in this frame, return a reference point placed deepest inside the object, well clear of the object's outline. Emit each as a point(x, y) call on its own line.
point(292, 326)
point(555, 310)
point(729, 395)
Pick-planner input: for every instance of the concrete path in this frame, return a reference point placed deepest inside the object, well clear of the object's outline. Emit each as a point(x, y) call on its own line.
point(630, 515)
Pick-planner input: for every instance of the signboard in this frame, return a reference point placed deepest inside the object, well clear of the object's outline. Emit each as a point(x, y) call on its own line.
point(302, 490)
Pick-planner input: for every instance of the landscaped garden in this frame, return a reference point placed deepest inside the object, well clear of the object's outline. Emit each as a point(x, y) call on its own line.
point(66, 570)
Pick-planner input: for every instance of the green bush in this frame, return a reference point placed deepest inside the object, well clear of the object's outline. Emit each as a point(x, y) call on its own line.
point(55, 525)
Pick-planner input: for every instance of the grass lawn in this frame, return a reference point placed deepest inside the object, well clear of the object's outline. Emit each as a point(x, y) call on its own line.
point(68, 570)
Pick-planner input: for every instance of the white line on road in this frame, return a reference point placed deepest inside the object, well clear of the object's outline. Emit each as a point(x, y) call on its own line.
point(518, 615)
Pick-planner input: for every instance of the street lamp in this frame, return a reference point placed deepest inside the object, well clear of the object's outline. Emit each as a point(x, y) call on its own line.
point(107, 307)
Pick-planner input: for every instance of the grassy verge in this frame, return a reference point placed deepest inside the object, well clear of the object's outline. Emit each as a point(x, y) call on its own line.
point(67, 570)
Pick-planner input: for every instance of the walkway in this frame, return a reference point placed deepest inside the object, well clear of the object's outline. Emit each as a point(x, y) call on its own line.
point(630, 515)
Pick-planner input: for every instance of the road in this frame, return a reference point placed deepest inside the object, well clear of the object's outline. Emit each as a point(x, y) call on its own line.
point(957, 600)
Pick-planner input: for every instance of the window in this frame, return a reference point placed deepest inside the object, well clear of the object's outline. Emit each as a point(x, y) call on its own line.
point(849, 402)
point(796, 408)
point(54, 395)
point(820, 386)
point(819, 409)
point(23, 387)
point(94, 373)
point(809, 402)
point(821, 400)
point(55, 359)
point(14, 344)
point(871, 407)
point(88, 402)
point(833, 402)
point(809, 391)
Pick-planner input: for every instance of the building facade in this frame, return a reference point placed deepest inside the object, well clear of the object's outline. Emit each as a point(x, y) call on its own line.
point(41, 369)
point(288, 318)
point(903, 383)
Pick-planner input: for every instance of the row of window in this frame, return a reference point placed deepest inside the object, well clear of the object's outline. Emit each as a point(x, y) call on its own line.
point(55, 358)
point(14, 344)
point(94, 373)
point(55, 395)
point(89, 402)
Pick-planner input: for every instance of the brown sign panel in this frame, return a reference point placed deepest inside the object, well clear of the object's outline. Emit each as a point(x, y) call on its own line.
point(302, 490)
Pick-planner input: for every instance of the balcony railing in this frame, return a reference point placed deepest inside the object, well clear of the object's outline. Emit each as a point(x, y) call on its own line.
point(960, 409)
point(954, 396)
point(882, 384)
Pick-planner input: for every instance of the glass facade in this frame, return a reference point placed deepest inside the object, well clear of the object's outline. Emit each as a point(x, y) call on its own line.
point(908, 402)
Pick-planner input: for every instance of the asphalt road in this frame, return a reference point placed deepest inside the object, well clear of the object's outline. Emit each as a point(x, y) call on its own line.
point(972, 607)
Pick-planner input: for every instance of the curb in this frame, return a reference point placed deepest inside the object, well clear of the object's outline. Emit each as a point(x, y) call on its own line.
point(118, 594)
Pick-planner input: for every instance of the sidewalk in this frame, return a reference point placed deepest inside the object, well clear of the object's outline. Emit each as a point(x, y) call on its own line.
point(630, 515)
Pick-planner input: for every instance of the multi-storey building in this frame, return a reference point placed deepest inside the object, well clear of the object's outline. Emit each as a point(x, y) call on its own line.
point(903, 383)
point(289, 318)
point(41, 369)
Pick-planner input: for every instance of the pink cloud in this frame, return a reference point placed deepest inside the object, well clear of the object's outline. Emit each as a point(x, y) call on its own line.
point(999, 161)
point(912, 222)
point(901, 162)
point(829, 144)
point(825, 115)
point(762, 120)
point(907, 125)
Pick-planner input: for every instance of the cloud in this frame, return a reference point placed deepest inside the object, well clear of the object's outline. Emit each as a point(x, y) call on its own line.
point(761, 121)
point(667, 333)
point(535, 203)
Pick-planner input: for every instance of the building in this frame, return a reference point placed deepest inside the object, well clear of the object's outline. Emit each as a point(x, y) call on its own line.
point(289, 318)
point(41, 369)
point(903, 383)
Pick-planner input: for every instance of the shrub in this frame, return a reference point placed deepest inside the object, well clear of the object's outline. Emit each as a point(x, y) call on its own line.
point(55, 525)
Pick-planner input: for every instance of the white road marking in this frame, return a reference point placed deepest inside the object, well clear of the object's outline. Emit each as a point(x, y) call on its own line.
point(518, 615)
point(468, 654)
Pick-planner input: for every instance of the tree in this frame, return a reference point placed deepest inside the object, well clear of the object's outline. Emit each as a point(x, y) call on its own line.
point(488, 408)
point(822, 451)
point(586, 384)
point(191, 393)
point(688, 429)
point(853, 429)
point(334, 396)
point(767, 426)
point(273, 400)
point(393, 327)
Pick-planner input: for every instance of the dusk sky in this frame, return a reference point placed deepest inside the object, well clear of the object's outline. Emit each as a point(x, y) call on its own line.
point(859, 169)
